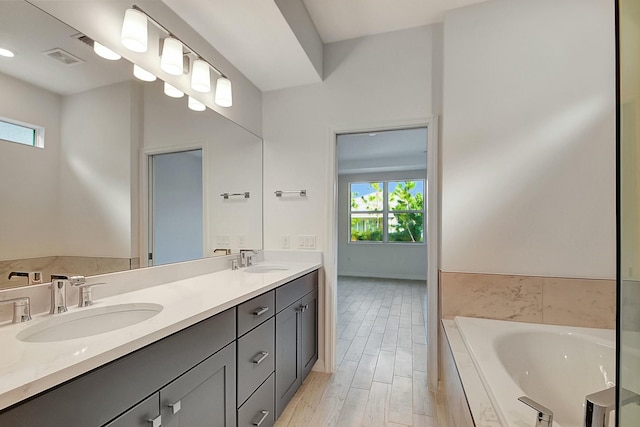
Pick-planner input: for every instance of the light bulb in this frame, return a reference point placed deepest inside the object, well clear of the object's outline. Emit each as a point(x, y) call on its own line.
point(105, 52)
point(143, 74)
point(6, 53)
point(172, 60)
point(134, 31)
point(172, 91)
point(200, 77)
point(196, 105)
point(224, 97)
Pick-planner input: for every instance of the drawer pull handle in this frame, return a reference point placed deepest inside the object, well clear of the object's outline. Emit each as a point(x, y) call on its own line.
point(259, 358)
point(261, 311)
point(303, 308)
point(156, 422)
point(262, 415)
point(175, 407)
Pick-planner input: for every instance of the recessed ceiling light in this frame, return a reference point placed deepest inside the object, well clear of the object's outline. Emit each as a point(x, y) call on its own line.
point(6, 53)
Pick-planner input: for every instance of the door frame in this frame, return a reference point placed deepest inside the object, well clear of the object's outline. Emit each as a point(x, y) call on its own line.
point(143, 229)
point(433, 238)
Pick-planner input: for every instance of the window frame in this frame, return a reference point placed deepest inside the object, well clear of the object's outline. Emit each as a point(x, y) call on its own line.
point(386, 212)
point(38, 132)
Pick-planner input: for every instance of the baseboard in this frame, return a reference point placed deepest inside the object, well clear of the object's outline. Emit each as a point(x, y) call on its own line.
point(381, 276)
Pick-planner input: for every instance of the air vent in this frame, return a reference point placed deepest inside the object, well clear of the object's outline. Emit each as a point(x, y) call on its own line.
point(84, 39)
point(63, 56)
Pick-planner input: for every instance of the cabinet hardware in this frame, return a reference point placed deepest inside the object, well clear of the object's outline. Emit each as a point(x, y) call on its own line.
point(175, 407)
point(262, 415)
point(261, 311)
point(156, 422)
point(259, 358)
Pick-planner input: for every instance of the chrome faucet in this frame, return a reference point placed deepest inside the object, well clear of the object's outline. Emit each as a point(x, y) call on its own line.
point(598, 405)
point(545, 415)
point(58, 293)
point(246, 257)
point(33, 277)
point(21, 308)
point(85, 297)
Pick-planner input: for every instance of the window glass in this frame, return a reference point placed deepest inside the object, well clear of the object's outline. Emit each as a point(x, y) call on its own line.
point(387, 212)
point(16, 133)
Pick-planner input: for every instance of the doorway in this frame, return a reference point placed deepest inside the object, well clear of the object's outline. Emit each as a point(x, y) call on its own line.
point(382, 253)
point(176, 225)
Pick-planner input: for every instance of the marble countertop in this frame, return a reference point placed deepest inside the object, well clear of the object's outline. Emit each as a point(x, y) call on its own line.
point(28, 368)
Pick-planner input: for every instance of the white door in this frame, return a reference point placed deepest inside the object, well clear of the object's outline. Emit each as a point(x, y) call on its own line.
point(176, 207)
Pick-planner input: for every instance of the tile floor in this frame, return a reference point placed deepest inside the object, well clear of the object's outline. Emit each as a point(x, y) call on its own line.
point(381, 378)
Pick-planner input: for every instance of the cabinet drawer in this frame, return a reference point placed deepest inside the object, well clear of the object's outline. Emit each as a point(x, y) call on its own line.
point(255, 311)
point(293, 291)
point(256, 359)
point(139, 415)
point(258, 411)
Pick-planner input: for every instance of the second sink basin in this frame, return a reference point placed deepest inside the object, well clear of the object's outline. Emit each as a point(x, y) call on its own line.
point(265, 268)
point(87, 322)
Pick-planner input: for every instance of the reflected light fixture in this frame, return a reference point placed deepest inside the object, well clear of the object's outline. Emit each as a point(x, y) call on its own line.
point(143, 74)
point(134, 31)
point(104, 52)
point(172, 91)
point(196, 105)
point(6, 53)
point(224, 97)
point(200, 76)
point(172, 60)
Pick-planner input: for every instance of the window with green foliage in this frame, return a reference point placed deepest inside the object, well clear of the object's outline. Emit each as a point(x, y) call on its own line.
point(387, 212)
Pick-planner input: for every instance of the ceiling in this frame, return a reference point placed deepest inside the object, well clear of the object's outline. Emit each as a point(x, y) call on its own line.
point(31, 33)
point(386, 151)
point(265, 41)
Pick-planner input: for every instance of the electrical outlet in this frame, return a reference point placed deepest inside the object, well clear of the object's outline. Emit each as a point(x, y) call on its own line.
point(285, 242)
point(242, 241)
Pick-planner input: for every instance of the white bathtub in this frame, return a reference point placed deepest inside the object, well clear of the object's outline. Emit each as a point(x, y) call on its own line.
point(556, 366)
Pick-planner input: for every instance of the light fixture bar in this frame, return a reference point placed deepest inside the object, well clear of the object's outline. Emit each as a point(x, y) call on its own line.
point(166, 30)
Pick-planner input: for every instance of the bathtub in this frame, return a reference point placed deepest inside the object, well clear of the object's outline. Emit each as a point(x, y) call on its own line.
point(557, 366)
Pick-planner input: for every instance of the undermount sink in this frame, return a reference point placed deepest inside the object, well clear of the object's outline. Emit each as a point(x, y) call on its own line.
point(265, 268)
point(87, 322)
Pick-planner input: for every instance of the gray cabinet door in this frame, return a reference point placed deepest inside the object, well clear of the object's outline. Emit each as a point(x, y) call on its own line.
point(288, 373)
point(140, 415)
point(308, 331)
point(205, 396)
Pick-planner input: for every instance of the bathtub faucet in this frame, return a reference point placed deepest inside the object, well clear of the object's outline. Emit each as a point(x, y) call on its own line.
point(598, 405)
point(545, 415)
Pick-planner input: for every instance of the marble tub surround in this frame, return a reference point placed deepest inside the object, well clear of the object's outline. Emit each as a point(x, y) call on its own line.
point(86, 266)
point(549, 300)
point(30, 368)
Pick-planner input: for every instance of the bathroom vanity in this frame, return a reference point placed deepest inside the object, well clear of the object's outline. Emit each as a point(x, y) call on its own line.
point(246, 349)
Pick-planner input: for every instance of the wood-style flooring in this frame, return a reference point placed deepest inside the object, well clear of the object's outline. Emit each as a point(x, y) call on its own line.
point(381, 379)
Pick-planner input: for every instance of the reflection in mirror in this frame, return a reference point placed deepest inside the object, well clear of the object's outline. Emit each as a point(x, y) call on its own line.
point(77, 205)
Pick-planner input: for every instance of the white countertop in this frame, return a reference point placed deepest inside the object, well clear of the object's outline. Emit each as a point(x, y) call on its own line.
point(27, 369)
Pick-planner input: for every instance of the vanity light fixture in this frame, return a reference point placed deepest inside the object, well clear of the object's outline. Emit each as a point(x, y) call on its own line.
point(6, 53)
point(200, 76)
point(196, 105)
point(224, 96)
point(172, 60)
point(172, 91)
point(143, 74)
point(134, 30)
point(105, 52)
point(175, 56)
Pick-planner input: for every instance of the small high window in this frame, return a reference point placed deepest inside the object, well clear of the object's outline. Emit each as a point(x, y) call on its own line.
point(21, 133)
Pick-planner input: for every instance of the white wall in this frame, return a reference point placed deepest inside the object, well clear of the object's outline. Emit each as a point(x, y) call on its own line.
point(371, 82)
point(528, 152)
point(387, 260)
point(28, 175)
point(95, 194)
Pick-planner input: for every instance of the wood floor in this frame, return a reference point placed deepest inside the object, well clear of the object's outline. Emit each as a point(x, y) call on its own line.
point(381, 378)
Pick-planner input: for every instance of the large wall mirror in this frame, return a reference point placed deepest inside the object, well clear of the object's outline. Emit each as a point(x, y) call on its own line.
point(80, 204)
